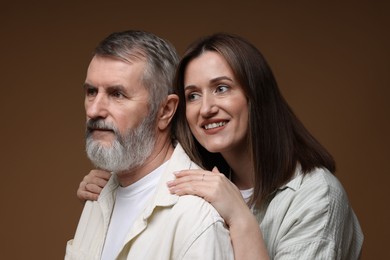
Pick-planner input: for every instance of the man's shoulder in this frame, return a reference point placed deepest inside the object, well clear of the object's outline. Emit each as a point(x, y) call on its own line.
point(180, 156)
point(191, 206)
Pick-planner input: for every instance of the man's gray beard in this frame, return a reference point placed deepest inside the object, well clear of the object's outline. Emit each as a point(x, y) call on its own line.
point(126, 152)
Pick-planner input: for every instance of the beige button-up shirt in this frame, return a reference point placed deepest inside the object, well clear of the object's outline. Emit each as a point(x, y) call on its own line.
point(170, 227)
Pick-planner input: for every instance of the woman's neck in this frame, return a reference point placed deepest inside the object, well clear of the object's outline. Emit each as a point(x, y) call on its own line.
point(242, 174)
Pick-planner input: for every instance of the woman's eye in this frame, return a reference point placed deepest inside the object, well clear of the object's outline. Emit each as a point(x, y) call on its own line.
point(192, 96)
point(221, 88)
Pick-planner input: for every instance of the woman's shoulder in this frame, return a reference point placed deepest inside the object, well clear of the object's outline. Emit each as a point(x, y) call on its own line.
point(319, 188)
point(311, 206)
point(322, 180)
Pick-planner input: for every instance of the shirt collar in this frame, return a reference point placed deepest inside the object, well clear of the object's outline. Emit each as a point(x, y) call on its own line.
point(296, 180)
point(163, 198)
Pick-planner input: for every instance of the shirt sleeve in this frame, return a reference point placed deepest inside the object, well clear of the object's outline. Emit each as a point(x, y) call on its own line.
point(210, 243)
point(320, 223)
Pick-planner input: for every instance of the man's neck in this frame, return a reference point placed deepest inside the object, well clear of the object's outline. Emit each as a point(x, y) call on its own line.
point(160, 154)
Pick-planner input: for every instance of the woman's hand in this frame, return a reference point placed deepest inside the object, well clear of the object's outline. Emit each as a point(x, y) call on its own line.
point(215, 188)
point(92, 184)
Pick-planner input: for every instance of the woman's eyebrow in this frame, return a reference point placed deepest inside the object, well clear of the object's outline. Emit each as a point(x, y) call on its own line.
point(189, 87)
point(211, 81)
point(220, 78)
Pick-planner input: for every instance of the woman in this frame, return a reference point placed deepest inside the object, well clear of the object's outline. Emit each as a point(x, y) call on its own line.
point(233, 119)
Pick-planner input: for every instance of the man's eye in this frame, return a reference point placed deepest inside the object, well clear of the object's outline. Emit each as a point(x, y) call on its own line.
point(91, 91)
point(117, 94)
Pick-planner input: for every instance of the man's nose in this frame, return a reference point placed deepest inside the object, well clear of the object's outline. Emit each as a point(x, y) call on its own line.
point(96, 106)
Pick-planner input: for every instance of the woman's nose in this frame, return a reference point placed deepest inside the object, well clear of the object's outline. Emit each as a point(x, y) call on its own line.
point(209, 106)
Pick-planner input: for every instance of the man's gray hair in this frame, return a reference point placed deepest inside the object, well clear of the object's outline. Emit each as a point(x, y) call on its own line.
point(160, 55)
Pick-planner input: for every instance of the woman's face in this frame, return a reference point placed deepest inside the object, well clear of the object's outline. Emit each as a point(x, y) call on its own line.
point(216, 105)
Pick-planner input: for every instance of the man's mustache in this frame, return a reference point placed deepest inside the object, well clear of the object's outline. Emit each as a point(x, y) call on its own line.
point(100, 124)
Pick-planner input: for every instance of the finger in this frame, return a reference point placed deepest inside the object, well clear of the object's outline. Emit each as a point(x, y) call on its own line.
point(97, 173)
point(205, 190)
point(193, 177)
point(93, 188)
point(84, 195)
point(83, 183)
point(192, 183)
point(215, 170)
point(97, 177)
point(183, 173)
point(98, 182)
point(201, 189)
point(101, 174)
point(186, 176)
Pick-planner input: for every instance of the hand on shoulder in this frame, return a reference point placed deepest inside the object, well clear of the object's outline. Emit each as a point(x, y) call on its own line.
point(92, 184)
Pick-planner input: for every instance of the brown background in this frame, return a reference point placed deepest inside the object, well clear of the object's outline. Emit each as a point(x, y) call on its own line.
point(331, 60)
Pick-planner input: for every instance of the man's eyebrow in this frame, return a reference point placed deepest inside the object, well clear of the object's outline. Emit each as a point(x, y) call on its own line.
point(116, 88)
point(87, 86)
point(109, 88)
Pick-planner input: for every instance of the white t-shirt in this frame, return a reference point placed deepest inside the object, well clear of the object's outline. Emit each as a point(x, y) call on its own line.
point(129, 202)
point(246, 194)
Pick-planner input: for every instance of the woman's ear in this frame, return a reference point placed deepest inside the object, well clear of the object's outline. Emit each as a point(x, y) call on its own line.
point(167, 111)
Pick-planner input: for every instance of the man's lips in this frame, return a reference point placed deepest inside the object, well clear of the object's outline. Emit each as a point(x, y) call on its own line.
point(100, 132)
point(100, 129)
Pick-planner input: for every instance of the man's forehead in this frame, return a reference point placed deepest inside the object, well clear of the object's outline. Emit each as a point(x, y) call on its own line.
point(115, 66)
point(129, 60)
point(128, 56)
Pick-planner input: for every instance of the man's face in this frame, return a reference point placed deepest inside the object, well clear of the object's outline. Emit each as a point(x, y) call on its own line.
point(120, 132)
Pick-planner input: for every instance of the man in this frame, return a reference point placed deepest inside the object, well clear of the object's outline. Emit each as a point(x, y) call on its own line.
point(129, 106)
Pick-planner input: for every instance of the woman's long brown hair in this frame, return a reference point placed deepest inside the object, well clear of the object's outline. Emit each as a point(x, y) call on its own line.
point(278, 140)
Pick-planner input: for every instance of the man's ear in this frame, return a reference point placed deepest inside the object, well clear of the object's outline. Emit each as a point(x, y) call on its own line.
point(167, 111)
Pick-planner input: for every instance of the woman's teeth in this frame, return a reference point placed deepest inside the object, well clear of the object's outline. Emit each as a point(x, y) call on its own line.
point(214, 125)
